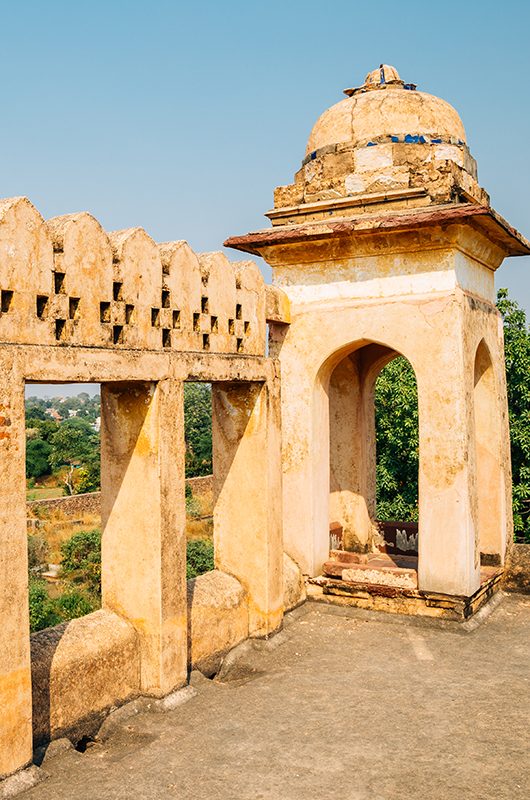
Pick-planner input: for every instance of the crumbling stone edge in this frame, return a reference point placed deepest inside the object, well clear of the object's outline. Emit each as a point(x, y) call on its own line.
point(21, 781)
point(26, 778)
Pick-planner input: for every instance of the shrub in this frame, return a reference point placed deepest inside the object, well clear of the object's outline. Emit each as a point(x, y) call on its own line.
point(199, 557)
point(193, 507)
point(37, 550)
point(81, 560)
point(42, 613)
point(89, 476)
point(72, 604)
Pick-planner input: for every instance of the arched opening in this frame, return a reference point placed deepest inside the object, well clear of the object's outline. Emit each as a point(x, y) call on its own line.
point(397, 452)
point(373, 468)
point(489, 474)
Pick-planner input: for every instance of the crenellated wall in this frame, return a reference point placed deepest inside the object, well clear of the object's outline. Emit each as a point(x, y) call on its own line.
point(80, 305)
point(66, 281)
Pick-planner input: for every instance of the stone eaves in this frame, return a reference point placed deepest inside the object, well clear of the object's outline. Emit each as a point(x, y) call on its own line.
point(485, 218)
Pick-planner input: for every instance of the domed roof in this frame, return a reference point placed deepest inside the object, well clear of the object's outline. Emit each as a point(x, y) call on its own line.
point(384, 107)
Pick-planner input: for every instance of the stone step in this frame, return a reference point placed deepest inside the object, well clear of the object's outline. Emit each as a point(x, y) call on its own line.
point(380, 569)
point(383, 559)
point(374, 570)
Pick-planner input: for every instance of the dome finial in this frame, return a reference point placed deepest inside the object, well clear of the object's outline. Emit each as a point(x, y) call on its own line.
point(385, 77)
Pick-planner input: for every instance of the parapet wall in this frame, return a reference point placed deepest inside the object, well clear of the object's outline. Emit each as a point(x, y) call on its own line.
point(80, 305)
point(83, 668)
point(66, 281)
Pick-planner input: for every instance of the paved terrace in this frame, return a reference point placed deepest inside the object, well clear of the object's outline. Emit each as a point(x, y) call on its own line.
point(341, 704)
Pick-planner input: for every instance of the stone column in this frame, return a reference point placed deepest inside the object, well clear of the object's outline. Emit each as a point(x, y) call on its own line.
point(247, 494)
point(143, 510)
point(448, 542)
point(489, 483)
point(349, 444)
point(15, 669)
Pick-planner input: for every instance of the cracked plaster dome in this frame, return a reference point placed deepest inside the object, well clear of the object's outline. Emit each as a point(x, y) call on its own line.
point(382, 108)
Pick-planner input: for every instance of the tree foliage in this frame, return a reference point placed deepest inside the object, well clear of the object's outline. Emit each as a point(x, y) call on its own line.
point(198, 428)
point(38, 453)
point(67, 445)
point(396, 410)
point(73, 443)
point(517, 354)
point(397, 426)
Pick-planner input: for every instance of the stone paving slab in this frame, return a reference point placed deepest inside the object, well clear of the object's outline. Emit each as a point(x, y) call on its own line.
point(345, 704)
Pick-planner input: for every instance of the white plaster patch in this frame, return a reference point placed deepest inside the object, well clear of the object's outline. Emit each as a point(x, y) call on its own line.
point(449, 152)
point(393, 178)
point(354, 184)
point(475, 277)
point(375, 157)
point(388, 286)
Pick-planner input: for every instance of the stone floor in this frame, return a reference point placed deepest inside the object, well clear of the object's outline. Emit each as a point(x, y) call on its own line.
point(341, 704)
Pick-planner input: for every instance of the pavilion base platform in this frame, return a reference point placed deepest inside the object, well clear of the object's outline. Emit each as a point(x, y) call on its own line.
point(379, 582)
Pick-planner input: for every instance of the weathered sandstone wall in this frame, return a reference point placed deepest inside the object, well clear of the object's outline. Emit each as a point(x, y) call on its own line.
point(83, 668)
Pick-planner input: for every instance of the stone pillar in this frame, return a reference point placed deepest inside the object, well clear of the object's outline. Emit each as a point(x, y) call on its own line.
point(490, 482)
point(448, 542)
point(349, 445)
point(143, 511)
point(15, 670)
point(247, 494)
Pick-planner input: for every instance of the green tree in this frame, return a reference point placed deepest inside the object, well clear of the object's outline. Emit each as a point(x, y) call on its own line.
point(44, 427)
point(74, 444)
point(517, 354)
point(396, 415)
point(198, 428)
point(89, 476)
point(38, 454)
point(35, 407)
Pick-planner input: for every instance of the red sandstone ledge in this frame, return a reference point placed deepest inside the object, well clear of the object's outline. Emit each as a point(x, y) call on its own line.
point(485, 217)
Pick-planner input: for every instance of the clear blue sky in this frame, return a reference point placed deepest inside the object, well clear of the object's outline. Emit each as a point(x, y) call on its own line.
point(183, 117)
